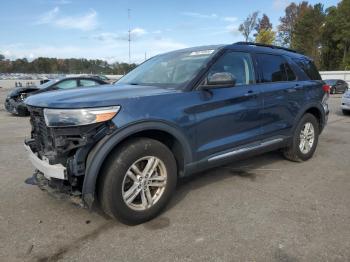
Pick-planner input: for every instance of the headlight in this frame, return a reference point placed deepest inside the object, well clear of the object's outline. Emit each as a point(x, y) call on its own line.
point(79, 117)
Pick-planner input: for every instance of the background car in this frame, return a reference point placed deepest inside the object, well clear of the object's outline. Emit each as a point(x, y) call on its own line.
point(337, 85)
point(14, 102)
point(345, 103)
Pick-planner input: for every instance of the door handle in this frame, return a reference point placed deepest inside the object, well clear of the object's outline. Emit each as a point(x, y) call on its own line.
point(249, 93)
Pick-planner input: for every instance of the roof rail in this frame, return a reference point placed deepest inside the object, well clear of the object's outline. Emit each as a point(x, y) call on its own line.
point(265, 45)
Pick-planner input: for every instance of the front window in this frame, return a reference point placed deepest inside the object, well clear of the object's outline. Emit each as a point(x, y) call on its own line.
point(172, 69)
point(67, 84)
point(48, 83)
point(238, 64)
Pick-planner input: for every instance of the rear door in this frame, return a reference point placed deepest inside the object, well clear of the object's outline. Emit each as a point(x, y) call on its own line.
point(228, 117)
point(281, 93)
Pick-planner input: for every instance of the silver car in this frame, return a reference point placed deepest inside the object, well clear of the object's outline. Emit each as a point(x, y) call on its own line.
point(345, 103)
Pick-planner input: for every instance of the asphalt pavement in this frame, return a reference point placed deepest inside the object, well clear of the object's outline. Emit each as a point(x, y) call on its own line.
point(260, 209)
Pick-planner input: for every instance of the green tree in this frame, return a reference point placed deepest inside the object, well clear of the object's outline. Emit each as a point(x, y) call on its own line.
point(307, 33)
point(264, 33)
point(332, 55)
point(342, 33)
point(2, 57)
point(266, 36)
point(287, 23)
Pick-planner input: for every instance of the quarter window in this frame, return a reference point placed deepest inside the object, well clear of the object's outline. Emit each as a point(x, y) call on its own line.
point(308, 67)
point(275, 68)
point(238, 64)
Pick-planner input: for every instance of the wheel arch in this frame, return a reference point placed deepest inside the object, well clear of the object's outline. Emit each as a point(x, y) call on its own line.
point(317, 111)
point(163, 132)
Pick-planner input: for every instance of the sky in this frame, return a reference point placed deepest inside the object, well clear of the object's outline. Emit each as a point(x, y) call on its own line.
point(99, 29)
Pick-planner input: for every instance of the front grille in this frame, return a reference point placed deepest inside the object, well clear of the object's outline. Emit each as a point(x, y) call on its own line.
point(40, 132)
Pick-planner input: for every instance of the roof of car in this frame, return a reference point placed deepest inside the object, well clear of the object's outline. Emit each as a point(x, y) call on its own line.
point(82, 77)
point(333, 80)
point(264, 48)
point(246, 46)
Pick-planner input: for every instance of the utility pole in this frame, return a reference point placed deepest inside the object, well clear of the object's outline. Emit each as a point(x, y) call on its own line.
point(129, 35)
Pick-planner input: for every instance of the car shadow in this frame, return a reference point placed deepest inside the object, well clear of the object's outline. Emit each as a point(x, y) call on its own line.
point(243, 169)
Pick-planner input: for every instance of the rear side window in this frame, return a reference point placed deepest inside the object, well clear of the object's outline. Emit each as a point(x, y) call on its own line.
point(87, 82)
point(290, 74)
point(274, 68)
point(308, 67)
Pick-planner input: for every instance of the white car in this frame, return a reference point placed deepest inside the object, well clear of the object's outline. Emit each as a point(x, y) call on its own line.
point(345, 103)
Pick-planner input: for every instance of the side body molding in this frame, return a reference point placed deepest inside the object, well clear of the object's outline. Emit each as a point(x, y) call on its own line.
point(101, 150)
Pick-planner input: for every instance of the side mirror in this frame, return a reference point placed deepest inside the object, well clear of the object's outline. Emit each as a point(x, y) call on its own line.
point(221, 79)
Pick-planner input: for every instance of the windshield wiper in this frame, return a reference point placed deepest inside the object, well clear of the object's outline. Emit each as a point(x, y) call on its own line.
point(134, 84)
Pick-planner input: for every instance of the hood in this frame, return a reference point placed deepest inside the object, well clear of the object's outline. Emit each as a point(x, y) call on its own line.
point(106, 95)
point(16, 91)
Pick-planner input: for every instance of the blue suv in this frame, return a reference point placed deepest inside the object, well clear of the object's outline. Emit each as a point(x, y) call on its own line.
point(125, 145)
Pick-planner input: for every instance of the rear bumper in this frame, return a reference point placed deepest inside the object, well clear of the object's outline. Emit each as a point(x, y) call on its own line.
point(50, 171)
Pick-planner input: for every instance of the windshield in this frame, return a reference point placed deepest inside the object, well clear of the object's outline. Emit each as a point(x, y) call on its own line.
point(47, 84)
point(172, 69)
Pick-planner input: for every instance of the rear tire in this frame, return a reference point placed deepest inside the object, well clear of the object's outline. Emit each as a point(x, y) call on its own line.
point(126, 171)
point(304, 140)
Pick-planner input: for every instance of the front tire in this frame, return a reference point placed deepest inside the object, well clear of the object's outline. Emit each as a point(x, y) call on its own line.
point(22, 111)
point(138, 180)
point(304, 141)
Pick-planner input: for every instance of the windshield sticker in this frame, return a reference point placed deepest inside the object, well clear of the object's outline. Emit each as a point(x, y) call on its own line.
point(202, 52)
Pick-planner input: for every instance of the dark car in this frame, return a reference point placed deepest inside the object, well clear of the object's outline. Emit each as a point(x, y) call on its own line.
point(14, 102)
point(337, 85)
point(182, 112)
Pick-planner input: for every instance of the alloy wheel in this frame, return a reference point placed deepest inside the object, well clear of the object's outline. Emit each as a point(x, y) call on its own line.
point(144, 183)
point(307, 138)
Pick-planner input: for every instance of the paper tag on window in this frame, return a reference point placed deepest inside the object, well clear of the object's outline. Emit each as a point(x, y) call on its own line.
point(202, 52)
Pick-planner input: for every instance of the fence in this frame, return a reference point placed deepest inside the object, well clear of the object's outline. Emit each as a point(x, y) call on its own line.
point(344, 75)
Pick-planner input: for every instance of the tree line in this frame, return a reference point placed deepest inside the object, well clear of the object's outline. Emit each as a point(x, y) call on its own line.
point(63, 66)
point(322, 34)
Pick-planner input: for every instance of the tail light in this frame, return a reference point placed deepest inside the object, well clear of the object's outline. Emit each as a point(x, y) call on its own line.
point(326, 88)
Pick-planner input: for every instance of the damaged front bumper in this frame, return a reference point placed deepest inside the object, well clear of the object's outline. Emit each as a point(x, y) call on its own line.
point(49, 171)
point(59, 154)
point(15, 107)
point(56, 188)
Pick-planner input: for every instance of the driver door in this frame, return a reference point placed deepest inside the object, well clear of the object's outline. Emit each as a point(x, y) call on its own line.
point(229, 116)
